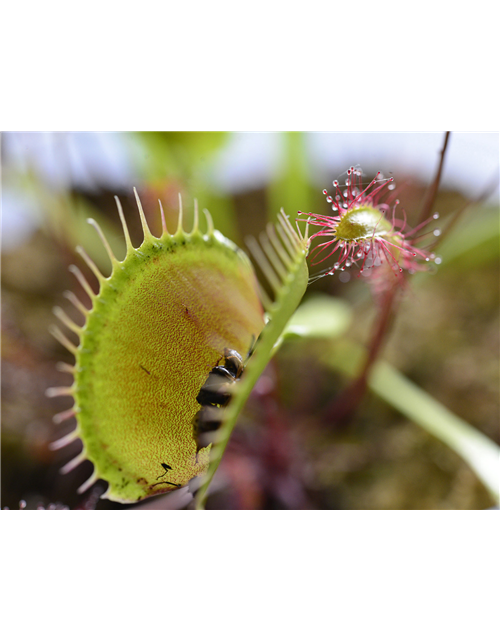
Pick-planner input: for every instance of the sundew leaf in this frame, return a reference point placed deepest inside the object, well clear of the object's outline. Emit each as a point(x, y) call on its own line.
point(281, 256)
point(158, 325)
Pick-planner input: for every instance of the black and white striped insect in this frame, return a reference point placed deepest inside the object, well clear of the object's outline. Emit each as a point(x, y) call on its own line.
point(215, 394)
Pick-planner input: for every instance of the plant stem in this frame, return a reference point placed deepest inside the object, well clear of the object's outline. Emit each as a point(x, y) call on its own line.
point(480, 453)
point(431, 194)
point(344, 406)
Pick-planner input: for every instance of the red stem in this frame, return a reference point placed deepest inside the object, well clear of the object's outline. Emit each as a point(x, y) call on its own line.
point(431, 194)
point(344, 406)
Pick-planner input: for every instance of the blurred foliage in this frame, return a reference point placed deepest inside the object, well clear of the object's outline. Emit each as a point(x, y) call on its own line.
point(184, 157)
point(284, 452)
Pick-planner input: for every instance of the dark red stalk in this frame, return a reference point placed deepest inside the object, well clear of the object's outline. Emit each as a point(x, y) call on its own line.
point(344, 406)
point(433, 189)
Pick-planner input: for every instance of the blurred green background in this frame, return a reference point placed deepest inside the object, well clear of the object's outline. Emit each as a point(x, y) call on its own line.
point(286, 453)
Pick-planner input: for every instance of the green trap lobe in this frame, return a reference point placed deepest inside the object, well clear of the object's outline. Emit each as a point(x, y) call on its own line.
point(158, 326)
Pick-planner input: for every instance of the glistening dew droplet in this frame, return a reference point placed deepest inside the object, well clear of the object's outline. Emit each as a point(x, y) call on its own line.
point(366, 232)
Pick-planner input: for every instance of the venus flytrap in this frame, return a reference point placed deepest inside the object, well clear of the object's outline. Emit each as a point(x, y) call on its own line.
point(173, 315)
point(160, 322)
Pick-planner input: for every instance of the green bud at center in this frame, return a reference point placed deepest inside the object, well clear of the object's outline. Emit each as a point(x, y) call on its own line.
point(362, 223)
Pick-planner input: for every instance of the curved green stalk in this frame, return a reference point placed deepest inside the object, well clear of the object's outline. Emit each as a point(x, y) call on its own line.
point(480, 453)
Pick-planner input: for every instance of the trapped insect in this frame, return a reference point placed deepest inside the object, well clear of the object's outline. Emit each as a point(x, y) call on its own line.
point(216, 394)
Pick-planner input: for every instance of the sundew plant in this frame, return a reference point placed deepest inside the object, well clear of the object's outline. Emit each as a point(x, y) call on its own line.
point(365, 231)
point(172, 345)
